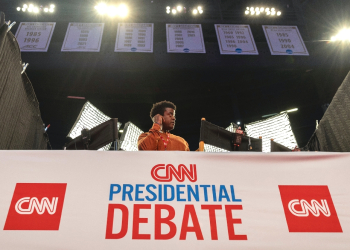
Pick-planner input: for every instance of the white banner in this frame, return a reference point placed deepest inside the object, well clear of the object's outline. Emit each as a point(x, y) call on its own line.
point(83, 37)
point(134, 37)
point(285, 40)
point(174, 200)
point(235, 39)
point(185, 38)
point(34, 37)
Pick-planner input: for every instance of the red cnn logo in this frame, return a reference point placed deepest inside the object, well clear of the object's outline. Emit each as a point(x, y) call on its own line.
point(309, 209)
point(171, 171)
point(36, 206)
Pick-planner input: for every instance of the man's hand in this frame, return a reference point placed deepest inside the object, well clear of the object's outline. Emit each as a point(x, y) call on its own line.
point(159, 120)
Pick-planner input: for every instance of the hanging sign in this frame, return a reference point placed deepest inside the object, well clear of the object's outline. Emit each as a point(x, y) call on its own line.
point(235, 39)
point(34, 37)
point(285, 40)
point(83, 37)
point(185, 38)
point(134, 37)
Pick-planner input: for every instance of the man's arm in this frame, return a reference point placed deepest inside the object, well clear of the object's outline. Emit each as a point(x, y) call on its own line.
point(149, 141)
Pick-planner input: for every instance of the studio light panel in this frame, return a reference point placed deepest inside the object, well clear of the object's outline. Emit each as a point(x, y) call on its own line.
point(130, 137)
point(89, 117)
point(277, 127)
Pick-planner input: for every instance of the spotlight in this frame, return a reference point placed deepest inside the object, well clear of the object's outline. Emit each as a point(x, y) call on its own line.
point(167, 11)
point(199, 8)
point(247, 8)
point(46, 9)
point(258, 13)
point(201, 11)
point(291, 110)
point(51, 10)
point(123, 10)
point(257, 9)
point(25, 6)
point(279, 13)
point(31, 5)
point(52, 6)
point(179, 8)
point(252, 12)
point(18, 9)
point(24, 9)
point(30, 9)
point(173, 11)
point(251, 8)
point(168, 7)
point(262, 9)
point(268, 13)
point(272, 9)
point(195, 11)
point(273, 13)
point(112, 11)
point(343, 35)
point(101, 8)
point(36, 10)
point(267, 9)
point(246, 12)
point(238, 123)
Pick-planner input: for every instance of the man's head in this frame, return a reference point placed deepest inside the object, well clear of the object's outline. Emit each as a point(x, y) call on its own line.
point(167, 110)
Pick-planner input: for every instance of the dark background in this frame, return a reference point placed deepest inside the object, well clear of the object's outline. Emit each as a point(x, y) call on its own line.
point(221, 88)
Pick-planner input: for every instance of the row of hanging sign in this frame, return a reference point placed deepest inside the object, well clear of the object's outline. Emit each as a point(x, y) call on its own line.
point(181, 38)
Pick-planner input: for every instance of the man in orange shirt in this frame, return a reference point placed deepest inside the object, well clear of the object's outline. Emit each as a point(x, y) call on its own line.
point(159, 137)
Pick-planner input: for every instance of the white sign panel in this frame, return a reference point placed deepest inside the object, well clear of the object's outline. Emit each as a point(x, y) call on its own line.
point(235, 39)
point(285, 40)
point(134, 37)
point(174, 200)
point(185, 38)
point(83, 37)
point(34, 37)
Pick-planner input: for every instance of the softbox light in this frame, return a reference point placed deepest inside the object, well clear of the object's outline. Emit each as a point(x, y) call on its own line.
point(276, 127)
point(89, 117)
point(130, 137)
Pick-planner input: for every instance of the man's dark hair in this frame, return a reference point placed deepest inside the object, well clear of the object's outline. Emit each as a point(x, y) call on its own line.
point(159, 108)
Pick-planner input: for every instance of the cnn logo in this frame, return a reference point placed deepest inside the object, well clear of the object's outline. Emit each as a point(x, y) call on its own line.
point(309, 209)
point(36, 206)
point(165, 173)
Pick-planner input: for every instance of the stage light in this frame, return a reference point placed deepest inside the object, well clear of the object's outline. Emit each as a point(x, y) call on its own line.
point(279, 13)
point(267, 9)
point(179, 8)
point(251, 8)
point(273, 13)
point(268, 13)
point(200, 11)
point(36, 10)
point(30, 9)
point(46, 9)
point(173, 11)
point(343, 35)
point(199, 7)
point(277, 127)
point(168, 11)
point(252, 12)
point(112, 11)
point(123, 10)
point(272, 9)
point(130, 137)
point(18, 8)
point(258, 13)
point(291, 110)
point(195, 11)
point(24, 9)
point(247, 8)
point(101, 8)
point(262, 9)
point(25, 6)
point(89, 117)
point(52, 6)
point(246, 12)
point(238, 123)
point(168, 7)
point(51, 10)
point(31, 6)
point(256, 9)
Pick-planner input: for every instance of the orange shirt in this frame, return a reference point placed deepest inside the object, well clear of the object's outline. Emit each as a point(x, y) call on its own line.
point(152, 141)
